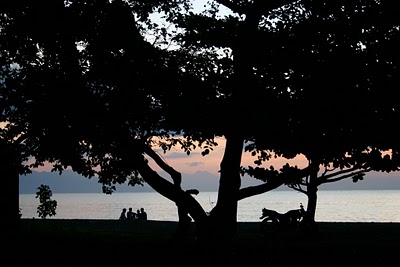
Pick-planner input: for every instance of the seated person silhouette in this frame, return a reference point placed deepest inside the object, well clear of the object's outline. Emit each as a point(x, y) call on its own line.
point(123, 214)
point(130, 215)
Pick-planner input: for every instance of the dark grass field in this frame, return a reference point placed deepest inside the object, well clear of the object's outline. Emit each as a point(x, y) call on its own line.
point(54, 242)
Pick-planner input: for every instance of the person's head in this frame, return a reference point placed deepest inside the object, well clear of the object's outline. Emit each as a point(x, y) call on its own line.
point(130, 209)
point(124, 209)
point(138, 211)
point(141, 209)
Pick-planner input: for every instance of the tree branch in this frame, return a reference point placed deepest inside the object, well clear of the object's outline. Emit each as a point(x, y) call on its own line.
point(175, 175)
point(325, 181)
point(167, 189)
point(258, 189)
point(298, 188)
point(324, 178)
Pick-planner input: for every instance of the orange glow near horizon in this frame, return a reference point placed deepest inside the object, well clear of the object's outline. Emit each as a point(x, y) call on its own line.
point(211, 163)
point(195, 162)
point(189, 164)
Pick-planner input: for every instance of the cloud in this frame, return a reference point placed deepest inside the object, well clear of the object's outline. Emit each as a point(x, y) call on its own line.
point(179, 155)
point(195, 163)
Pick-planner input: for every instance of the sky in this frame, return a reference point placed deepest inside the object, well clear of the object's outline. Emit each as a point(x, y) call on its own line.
point(195, 162)
point(200, 172)
point(211, 163)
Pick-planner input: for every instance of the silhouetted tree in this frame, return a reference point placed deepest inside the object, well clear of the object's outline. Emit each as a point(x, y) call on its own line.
point(78, 82)
point(85, 88)
point(341, 63)
point(322, 65)
point(47, 206)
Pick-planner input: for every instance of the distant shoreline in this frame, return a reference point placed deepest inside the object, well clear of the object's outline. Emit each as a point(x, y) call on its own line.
point(70, 182)
point(276, 190)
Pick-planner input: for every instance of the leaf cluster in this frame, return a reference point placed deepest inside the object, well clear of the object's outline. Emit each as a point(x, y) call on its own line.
point(47, 206)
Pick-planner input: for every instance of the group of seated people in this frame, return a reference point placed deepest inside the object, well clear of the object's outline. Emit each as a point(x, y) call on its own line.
point(140, 214)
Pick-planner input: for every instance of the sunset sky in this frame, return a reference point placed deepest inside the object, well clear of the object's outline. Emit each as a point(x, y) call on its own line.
point(183, 163)
point(210, 163)
point(195, 162)
point(192, 166)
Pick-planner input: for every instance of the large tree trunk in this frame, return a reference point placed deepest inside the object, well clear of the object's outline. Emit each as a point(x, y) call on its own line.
point(312, 203)
point(10, 193)
point(312, 189)
point(224, 215)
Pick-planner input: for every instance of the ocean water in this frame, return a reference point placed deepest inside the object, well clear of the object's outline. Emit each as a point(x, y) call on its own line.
point(333, 205)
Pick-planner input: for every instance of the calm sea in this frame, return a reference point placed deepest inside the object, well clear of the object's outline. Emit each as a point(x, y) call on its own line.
point(333, 206)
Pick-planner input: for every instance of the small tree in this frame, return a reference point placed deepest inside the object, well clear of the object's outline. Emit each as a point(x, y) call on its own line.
point(47, 205)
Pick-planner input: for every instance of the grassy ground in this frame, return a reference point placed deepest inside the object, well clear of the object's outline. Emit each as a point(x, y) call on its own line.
point(56, 242)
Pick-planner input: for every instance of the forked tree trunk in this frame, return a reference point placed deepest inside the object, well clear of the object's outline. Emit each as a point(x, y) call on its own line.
point(222, 221)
